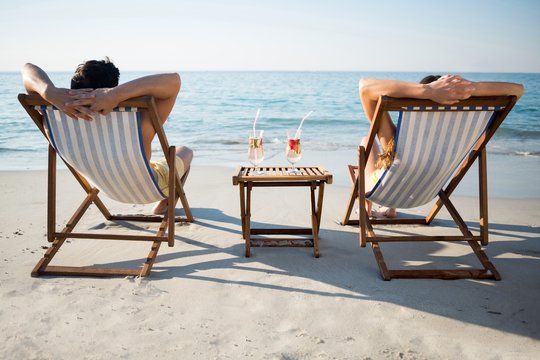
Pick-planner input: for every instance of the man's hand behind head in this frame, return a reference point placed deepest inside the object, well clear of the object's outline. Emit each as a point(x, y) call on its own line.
point(76, 109)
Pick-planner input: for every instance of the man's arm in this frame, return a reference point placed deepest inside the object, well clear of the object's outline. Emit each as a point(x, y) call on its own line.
point(35, 80)
point(163, 87)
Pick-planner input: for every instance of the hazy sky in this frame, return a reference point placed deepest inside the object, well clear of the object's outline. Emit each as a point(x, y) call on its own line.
point(389, 35)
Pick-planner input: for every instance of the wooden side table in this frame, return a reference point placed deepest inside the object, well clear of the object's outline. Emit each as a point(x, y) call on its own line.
point(314, 177)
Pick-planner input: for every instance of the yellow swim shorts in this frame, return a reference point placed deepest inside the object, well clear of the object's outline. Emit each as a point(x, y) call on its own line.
point(161, 170)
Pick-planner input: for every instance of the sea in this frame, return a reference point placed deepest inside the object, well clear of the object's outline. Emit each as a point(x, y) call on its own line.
point(215, 110)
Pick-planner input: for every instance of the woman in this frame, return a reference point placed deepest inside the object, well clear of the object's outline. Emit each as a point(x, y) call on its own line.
point(447, 90)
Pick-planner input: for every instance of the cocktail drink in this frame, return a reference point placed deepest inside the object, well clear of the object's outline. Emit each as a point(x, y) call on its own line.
point(256, 151)
point(293, 149)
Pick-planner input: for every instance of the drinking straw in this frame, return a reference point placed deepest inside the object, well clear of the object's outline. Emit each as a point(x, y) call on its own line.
point(255, 122)
point(301, 123)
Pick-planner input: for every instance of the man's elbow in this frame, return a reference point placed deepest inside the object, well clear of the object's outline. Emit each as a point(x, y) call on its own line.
point(175, 81)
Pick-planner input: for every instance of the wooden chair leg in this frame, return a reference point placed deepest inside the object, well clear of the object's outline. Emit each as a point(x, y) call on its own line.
point(380, 261)
point(482, 174)
point(171, 203)
point(481, 255)
point(51, 195)
point(362, 195)
point(47, 257)
point(183, 199)
point(179, 185)
point(147, 267)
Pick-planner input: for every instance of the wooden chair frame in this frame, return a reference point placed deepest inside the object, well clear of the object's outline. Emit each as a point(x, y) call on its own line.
point(366, 231)
point(176, 191)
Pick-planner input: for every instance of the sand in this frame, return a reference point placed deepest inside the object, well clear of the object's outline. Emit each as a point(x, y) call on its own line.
point(205, 300)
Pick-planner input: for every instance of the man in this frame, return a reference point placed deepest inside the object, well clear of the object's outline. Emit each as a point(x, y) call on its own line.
point(447, 89)
point(95, 89)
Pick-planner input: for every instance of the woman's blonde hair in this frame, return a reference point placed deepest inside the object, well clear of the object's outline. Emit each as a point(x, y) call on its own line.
point(385, 159)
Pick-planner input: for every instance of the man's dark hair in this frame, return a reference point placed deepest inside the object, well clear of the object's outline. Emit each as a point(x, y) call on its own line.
point(429, 79)
point(95, 74)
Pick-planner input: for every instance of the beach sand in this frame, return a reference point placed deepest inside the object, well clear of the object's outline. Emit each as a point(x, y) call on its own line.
point(205, 300)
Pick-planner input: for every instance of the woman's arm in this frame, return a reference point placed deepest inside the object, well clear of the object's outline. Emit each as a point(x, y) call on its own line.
point(497, 88)
point(35, 80)
point(446, 90)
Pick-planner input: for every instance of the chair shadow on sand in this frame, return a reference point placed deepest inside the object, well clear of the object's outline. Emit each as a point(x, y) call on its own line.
point(344, 265)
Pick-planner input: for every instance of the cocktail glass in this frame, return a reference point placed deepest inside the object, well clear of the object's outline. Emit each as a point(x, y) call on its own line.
point(293, 149)
point(256, 151)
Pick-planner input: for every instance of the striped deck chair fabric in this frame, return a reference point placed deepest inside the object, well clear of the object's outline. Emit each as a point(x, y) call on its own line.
point(429, 147)
point(108, 151)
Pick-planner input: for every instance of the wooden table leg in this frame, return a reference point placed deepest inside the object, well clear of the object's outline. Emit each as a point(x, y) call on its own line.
point(248, 220)
point(314, 221)
point(319, 205)
point(242, 209)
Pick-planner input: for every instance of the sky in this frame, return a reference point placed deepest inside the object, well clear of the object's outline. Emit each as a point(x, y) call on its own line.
point(280, 35)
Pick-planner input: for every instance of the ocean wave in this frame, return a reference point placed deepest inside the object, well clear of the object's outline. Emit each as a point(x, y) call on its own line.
point(518, 134)
point(527, 153)
point(224, 142)
point(511, 152)
point(523, 110)
point(9, 149)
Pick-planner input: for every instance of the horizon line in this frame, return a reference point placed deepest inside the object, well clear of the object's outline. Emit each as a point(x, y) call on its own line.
point(308, 71)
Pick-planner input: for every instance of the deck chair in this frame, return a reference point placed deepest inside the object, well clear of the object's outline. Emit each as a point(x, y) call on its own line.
point(107, 155)
point(435, 146)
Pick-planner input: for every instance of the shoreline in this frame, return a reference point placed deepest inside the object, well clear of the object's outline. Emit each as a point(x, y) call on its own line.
point(508, 175)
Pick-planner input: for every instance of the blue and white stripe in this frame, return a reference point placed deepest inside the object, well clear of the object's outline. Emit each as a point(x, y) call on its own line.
point(450, 107)
point(108, 151)
point(429, 147)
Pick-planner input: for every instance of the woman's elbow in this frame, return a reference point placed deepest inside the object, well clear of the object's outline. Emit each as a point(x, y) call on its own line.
point(27, 66)
point(365, 87)
point(520, 90)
